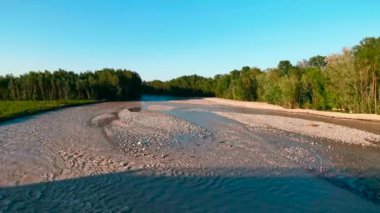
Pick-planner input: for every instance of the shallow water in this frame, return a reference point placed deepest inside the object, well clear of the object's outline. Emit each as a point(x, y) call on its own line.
point(149, 193)
point(351, 167)
point(242, 169)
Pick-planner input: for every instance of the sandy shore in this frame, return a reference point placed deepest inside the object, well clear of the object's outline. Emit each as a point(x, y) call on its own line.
point(260, 105)
point(108, 137)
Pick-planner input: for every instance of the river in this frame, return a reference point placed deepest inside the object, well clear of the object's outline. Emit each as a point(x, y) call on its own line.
point(180, 157)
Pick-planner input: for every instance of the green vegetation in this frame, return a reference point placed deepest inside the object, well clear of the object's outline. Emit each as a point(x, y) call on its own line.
point(14, 109)
point(347, 82)
point(105, 84)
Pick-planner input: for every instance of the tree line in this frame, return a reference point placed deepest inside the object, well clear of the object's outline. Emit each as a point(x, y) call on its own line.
point(105, 84)
point(187, 86)
point(347, 81)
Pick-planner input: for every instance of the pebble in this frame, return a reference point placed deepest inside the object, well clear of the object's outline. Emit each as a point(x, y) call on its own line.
point(124, 164)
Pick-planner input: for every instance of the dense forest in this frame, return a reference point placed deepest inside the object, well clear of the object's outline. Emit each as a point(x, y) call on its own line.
point(187, 86)
point(105, 84)
point(348, 81)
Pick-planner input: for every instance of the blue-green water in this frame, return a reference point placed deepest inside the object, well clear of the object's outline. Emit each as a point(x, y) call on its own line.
point(147, 97)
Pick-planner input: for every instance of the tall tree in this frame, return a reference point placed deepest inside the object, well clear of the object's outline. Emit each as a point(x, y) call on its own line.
point(284, 67)
point(367, 61)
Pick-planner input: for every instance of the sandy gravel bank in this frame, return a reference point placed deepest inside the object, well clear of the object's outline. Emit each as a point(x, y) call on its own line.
point(259, 105)
point(135, 132)
point(310, 128)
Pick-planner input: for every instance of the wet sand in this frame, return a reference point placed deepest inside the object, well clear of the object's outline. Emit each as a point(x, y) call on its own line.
point(166, 154)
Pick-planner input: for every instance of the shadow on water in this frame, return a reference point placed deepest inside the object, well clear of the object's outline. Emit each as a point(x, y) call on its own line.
point(145, 192)
point(21, 119)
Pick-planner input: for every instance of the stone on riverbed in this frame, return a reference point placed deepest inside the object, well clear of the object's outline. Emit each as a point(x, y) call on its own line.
point(103, 119)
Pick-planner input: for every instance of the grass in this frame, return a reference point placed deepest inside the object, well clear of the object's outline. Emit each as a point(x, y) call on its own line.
point(15, 109)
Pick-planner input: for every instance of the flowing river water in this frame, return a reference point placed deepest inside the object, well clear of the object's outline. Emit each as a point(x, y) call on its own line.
point(180, 157)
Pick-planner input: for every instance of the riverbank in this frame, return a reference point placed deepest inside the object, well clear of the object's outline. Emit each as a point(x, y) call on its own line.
point(266, 106)
point(15, 109)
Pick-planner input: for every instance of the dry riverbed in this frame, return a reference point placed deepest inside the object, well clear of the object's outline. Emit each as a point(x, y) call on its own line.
point(219, 148)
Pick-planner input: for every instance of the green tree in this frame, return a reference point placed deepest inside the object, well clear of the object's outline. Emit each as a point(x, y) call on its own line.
point(317, 61)
point(284, 67)
point(367, 61)
point(343, 84)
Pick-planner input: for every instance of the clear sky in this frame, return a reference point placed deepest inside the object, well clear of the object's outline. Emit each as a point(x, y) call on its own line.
point(162, 39)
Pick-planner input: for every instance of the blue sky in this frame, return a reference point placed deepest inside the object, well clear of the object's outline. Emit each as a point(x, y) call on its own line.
point(162, 39)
